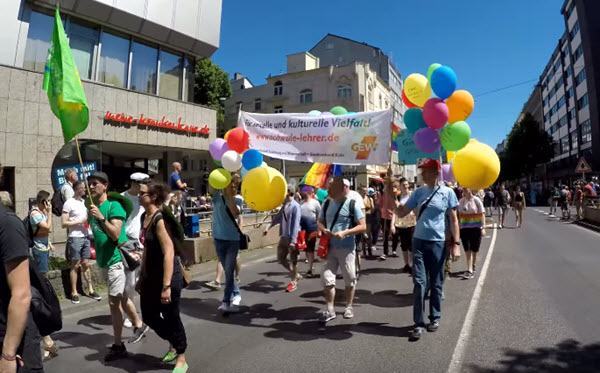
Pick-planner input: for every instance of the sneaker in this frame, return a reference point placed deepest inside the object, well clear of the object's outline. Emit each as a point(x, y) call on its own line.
point(182, 369)
point(374, 248)
point(394, 254)
point(291, 287)
point(309, 274)
point(382, 257)
point(224, 308)
point(415, 334)
point(443, 295)
point(116, 352)
point(127, 324)
point(237, 280)
point(236, 300)
point(213, 285)
point(169, 356)
point(95, 296)
point(138, 333)
point(434, 326)
point(349, 312)
point(75, 299)
point(327, 316)
point(468, 275)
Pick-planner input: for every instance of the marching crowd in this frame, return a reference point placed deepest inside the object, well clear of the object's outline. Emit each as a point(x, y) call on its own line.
point(136, 237)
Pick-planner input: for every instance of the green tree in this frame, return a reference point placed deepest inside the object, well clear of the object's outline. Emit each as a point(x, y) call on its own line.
point(211, 87)
point(527, 146)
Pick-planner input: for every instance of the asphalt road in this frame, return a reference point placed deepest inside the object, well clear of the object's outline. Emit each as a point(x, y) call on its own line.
point(541, 291)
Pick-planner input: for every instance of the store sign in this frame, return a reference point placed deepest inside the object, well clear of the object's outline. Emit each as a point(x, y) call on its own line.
point(162, 123)
point(59, 173)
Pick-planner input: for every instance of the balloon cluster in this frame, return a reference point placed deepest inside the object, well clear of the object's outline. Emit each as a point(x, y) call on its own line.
point(438, 120)
point(263, 187)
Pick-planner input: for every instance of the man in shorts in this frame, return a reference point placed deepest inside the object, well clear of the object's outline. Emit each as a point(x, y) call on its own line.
point(74, 218)
point(107, 224)
point(335, 221)
point(289, 227)
point(502, 204)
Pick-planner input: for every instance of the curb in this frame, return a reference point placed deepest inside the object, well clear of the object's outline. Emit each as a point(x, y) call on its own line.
point(197, 270)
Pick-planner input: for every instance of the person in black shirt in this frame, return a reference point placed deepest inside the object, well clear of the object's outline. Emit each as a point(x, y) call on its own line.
point(161, 279)
point(18, 334)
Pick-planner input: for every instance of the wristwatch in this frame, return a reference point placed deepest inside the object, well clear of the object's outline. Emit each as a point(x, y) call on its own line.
point(165, 287)
point(457, 243)
point(103, 221)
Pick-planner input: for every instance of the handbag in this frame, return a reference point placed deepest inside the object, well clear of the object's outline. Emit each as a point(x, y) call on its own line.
point(323, 248)
point(130, 259)
point(244, 238)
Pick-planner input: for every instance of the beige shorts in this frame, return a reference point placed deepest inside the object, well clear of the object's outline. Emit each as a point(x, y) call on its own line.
point(284, 249)
point(116, 280)
point(340, 258)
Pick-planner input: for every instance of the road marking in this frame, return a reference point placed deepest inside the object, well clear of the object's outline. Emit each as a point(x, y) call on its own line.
point(465, 332)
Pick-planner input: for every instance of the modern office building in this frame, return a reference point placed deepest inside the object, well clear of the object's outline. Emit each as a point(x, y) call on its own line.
point(570, 94)
point(136, 61)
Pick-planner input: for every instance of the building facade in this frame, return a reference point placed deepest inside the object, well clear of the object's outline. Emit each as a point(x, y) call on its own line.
point(307, 86)
point(136, 67)
point(569, 92)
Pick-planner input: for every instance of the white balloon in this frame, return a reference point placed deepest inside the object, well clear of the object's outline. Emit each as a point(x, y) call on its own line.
point(293, 181)
point(231, 161)
point(264, 164)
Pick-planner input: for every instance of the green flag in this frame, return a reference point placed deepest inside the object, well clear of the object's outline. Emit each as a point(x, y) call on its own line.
point(62, 83)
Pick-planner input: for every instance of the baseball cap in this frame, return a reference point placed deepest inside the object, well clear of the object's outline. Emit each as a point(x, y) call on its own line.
point(347, 182)
point(370, 191)
point(98, 175)
point(431, 163)
point(139, 177)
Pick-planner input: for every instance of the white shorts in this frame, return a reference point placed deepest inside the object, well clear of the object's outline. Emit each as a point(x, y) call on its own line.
point(115, 279)
point(340, 258)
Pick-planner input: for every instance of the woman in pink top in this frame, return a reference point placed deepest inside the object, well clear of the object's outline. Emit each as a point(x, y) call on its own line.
point(387, 205)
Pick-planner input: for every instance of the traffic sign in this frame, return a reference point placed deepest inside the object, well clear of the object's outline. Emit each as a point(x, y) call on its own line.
point(583, 166)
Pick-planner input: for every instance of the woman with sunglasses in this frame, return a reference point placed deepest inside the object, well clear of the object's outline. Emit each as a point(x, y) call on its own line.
point(161, 279)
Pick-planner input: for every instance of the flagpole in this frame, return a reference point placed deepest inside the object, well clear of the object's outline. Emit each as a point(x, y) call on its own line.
point(87, 186)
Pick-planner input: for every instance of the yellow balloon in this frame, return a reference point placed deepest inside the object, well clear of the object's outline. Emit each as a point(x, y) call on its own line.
point(263, 188)
point(476, 166)
point(460, 106)
point(219, 178)
point(417, 89)
point(450, 155)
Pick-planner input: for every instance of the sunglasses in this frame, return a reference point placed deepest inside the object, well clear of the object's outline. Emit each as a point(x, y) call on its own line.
point(140, 195)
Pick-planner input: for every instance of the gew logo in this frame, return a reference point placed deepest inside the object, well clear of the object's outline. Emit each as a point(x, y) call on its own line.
point(363, 149)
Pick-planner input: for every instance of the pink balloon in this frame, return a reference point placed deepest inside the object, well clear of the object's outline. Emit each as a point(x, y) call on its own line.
point(447, 174)
point(427, 140)
point(435, 113)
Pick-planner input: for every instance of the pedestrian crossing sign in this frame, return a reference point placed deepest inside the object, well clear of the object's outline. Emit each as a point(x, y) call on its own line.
point(583, 166)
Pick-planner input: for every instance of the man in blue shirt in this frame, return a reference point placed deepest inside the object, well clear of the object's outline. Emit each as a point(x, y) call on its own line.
point(434, 202)
point(175, 182)
point(227, 241)
point(340, 223)
point(288, 219)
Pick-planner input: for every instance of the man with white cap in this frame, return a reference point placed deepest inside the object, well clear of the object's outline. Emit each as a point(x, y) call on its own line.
point(288, 219)
point(133, 226)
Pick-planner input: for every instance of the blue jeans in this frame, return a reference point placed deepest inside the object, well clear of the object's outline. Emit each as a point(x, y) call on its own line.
point(428, 259)
point(227, 251)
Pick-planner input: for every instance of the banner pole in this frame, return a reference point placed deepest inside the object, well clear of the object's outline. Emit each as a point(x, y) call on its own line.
point(83, 171)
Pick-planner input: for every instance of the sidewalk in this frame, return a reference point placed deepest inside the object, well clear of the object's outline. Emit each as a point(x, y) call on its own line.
point(198, 270)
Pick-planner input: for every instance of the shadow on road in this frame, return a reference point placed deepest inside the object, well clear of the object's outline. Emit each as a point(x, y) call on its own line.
point(264, 286)
point(378, 270)
point(567, 356)
point(385, 298)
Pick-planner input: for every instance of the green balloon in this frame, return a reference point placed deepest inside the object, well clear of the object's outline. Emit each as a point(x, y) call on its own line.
point(321, 195)
point(455, 136)
point(338, 110)
point(432, 69)
point(218, 163)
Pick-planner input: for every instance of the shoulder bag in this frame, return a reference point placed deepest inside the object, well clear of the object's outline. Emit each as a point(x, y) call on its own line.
point(244, 238)
point(323, 248)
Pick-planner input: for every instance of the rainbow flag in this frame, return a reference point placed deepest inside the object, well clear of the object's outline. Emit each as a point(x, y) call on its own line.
point(395, 130)
point(319, 173)
point(471, 220)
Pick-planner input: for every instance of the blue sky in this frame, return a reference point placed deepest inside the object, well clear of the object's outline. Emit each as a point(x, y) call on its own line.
point(489, 44)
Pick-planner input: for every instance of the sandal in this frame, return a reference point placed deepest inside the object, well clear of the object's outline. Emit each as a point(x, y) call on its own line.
point(52, 352)
point(169, 356)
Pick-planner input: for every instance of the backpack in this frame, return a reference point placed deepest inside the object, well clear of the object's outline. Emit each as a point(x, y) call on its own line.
point(29, 230)
point(57, 202)
point(45, 306)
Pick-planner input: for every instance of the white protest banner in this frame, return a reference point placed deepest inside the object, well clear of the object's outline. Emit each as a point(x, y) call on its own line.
point(351, 139)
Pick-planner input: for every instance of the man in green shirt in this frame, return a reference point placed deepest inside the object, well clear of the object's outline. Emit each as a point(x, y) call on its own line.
point(107, 224)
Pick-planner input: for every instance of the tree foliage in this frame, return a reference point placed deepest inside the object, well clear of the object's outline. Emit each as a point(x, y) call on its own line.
point(527, 146)
point(211, 86)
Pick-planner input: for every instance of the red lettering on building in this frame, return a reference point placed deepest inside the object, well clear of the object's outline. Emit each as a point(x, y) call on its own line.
point(179, 126)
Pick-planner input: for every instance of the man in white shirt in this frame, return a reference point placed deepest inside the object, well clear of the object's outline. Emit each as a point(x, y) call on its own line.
point(133, 225)
point(67, 190)
point(74, 219)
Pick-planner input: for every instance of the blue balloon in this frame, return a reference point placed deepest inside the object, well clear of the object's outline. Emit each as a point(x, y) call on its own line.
point(443, 82)
point(315, 113)
point(243, 172)
point(413, 120)
point(351, 112)
point(252, 158)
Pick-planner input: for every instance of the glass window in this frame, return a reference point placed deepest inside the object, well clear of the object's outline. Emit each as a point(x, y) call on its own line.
point(572, 114)
point(278, 109)
point(563, 121)
point(575, 30)
point(171, 75)
point(582, 102)
point(586, 131)
point(571, 92)
point(188, 89)
point(344, 91)
point(38, 41)
point(571, 8)
point(569, 71)
point(574, 140)
point(278, 89)
point(547, 117)
point(143, 68)
point(546, 101)
point(580, 77)
point(578, 53)
point(557, 66)
point(564, 144)
point(306, 96)
point(257, 104)
point(554, 109)
point(562, 102)
point(114, 60)
point(83, 41)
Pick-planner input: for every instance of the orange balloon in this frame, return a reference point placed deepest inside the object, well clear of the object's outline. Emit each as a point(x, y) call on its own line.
point(226, 135)
point(460, 106)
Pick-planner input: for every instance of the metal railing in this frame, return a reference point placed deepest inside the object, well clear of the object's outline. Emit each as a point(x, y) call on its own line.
point(250, 218)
